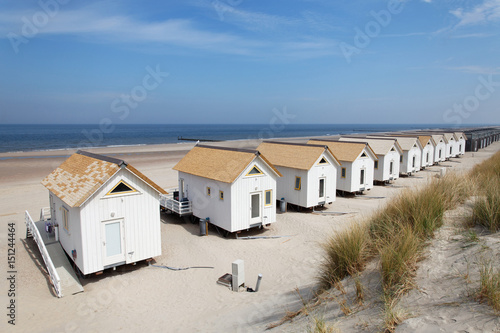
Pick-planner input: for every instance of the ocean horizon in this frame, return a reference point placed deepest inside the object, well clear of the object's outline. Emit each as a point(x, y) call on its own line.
point(25, 138)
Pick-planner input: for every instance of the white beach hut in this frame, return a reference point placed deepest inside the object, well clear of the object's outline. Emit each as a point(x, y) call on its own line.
point(452, 145)
point(461, 141)
point(428, 148)
point(357, 159)
point(309, 172)
point(410, 161)
point(388, 152)
point(234, 188)
point(440, 149)
point(107, 211)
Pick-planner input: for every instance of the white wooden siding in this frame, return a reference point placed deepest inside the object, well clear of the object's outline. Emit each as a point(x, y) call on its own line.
point(241, 190)
point(232, 213)
point(329, 173)
point(428, 149)
point(407, 165)
point(70, 239)
point(384, 163)
point(461, 145)
point(440, 146)
point(308, 195)
point(351, 183)
point(141, 221)
point(366, 163)
point(286, 186)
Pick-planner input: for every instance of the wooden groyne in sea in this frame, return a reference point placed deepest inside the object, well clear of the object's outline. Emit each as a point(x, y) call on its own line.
point(180, 138)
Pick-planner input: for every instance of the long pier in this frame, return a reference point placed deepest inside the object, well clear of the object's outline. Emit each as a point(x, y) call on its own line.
point(201, 140)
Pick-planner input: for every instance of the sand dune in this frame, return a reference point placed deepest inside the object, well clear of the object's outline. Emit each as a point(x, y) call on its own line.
point(153, 299)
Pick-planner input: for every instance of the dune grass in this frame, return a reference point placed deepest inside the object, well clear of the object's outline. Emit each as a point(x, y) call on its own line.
point(398, 261)
point(486, 207)
point(403, 225)
point(320, 326)
point(398, 233)
point(345, 253)
point(489, 290)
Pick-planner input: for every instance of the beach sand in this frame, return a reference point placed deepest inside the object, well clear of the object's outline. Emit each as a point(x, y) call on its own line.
point(151, 299)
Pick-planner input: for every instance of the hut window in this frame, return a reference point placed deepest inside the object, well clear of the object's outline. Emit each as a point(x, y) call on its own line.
point(254, 171)
point(343, 172)
point(401, 159)
point(439, 153)
point(65, 218)
point(451, 148)
point(269, 197)
point(209, 192)
point(376, 165)
point(323, 161)
point(363, 155)
point(413, 162)
point(121, 188)
point(297, 183)
point(392, 149)
point(390, 167)
point(221, 195)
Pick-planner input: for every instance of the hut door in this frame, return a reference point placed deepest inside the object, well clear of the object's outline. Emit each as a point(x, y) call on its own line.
point(362, 178)
point(255, 204)
point(112, 242)
point(322, 189)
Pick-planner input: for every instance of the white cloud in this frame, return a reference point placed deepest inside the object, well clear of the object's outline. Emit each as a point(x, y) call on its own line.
point(167, 34)
point(488, 11)
point(476, 69)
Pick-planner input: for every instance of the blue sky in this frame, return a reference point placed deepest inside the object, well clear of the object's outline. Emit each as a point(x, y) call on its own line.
point(240, 61)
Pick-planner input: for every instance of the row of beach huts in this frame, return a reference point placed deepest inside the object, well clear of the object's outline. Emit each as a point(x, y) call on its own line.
point(105, 213)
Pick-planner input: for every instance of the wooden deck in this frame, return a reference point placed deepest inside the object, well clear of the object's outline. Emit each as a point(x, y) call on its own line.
point(65, 280)
point(181, 208)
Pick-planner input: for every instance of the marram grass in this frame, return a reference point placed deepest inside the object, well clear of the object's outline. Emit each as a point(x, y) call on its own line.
point(345, 253)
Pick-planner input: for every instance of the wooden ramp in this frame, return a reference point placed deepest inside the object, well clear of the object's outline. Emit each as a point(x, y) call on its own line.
point(61, 272)
point(69, 281)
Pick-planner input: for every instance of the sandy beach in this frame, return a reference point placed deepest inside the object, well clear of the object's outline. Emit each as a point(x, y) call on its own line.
point(152, 299)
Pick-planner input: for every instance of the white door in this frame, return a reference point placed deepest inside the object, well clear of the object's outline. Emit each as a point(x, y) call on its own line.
point(322, 189)
point(113, 248)
point(255, 208)
point(362, 178)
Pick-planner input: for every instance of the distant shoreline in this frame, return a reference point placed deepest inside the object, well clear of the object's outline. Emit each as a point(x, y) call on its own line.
point(67, 138)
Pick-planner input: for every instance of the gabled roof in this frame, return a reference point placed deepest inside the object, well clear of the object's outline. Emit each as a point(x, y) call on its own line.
point(345, 151)
point(219, 163)
point(461, 134)
point(405, 142)
point(449, 136)
point(83, 173)
point(294, 155)
point(437, 138)
point(379, 146)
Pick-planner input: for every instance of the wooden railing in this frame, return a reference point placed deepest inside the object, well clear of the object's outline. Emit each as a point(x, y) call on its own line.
point(179, 207)
point(54, 277)
point(44, 213)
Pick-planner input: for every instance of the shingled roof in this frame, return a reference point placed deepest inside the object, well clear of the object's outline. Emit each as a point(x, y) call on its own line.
point(406, 142)
point(218, 163)
point(344, 151)
point(379, 146)
point(83, 173)
point(293, 155)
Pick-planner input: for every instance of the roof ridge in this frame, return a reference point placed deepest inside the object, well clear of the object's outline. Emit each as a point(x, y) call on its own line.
point(241, 150)
point(295, 144)
point(337, 140)
point(102, 158)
